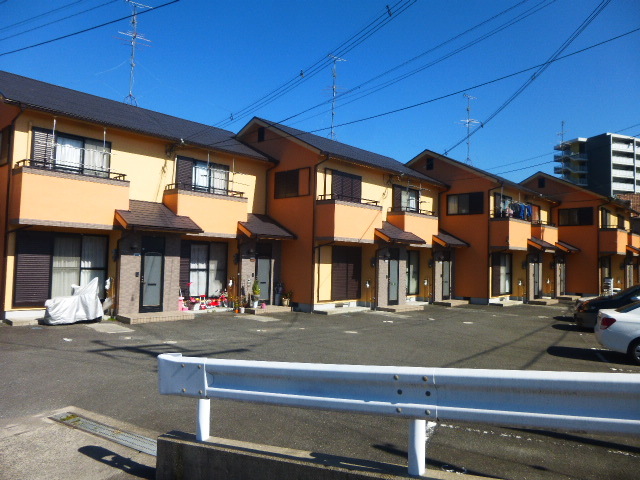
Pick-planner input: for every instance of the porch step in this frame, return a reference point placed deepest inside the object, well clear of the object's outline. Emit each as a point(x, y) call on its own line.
point(544, 301)
point(505, 303)
point(569, 298)
point(407, 307)
point(269, 309)
point(134, 318)
point(341, 310)
point(451, 303)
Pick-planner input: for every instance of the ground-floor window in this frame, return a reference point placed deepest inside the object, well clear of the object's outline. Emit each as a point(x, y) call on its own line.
point(346, 272)
point(76, 261)
point(49, 263)
point(501, 274)
point(413, 272)
point(207, 268)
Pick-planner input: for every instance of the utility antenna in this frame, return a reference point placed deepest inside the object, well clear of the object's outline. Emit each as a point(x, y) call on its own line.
point(469, 122)
point(134, 38)
point(561, 133)
point(334, 90)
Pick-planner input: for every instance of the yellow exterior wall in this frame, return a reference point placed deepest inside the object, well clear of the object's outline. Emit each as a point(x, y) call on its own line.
point(323, 279)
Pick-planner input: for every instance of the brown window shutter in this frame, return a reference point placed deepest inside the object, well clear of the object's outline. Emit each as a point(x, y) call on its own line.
point(43, 144)
point(185, 265)
point(345, 273)
point(184, 172)
point(33, 269)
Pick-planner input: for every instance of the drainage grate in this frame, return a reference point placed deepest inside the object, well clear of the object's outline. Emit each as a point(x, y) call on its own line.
point(131, 440)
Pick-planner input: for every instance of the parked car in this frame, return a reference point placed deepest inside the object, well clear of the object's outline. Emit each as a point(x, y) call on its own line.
point(619, 330)
point(586, 310)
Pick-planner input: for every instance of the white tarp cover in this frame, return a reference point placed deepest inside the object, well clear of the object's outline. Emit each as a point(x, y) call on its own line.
point(84, 304)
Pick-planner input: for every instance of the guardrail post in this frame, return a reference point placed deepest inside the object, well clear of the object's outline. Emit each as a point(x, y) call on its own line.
point(204, 419)
point(417, 446)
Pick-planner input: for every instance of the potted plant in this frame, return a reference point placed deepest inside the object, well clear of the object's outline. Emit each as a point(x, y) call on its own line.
point(255, 291)
point(286, 298)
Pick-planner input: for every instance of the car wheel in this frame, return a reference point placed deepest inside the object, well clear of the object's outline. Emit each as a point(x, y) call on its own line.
point(634, 351)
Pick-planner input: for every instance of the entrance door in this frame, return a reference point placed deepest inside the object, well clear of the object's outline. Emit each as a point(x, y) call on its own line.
point(264, 277)
point(562, 277)
point(446, 276)
point(152, 276)
point(537, 274)
point(394, 276)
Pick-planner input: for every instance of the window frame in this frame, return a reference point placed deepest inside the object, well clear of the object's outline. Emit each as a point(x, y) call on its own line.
point(477, 209)
point(580, 214)
point(286, 184)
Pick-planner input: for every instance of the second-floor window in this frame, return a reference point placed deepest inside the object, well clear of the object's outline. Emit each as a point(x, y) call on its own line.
point(287, 183)
point(406, 199)
point(210, 177)
point(502, 205)
point(465, 203)
point(575, 216)
point(71, 153)
point(346, 186)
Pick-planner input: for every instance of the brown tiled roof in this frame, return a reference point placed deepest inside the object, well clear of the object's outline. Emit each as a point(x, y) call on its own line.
point(567, 247)
point(448, 240)
point(391, 233)
point(263, 226)
point(155, 216)
point(541, 244)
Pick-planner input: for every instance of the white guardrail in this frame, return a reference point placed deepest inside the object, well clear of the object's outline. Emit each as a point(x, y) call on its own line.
point(576, 401)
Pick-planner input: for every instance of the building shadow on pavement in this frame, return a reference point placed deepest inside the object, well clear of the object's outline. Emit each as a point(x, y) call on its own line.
point(115, 460)
point(588, 354)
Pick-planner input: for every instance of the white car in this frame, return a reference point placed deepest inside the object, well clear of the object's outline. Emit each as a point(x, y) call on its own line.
point(619, 330)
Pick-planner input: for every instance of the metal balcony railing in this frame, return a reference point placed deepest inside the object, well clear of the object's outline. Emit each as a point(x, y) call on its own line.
point(54, 166)
point(199, 188)
point(347, 198)
point(404, 208)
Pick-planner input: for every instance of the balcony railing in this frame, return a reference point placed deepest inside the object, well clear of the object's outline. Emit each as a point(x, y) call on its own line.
point(562, 157)
point(509, 213)
point(346, 198)
point(199, 188)
point(407, 209)
point(543, 223)
point(52, 165)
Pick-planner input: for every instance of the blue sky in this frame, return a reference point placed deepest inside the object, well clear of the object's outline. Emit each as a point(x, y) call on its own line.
point(210, 59)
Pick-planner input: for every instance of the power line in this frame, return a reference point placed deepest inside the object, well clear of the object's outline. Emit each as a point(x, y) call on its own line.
point(376, 88)
point(31, 19)
point(541, 69)
point(379, 22)
point(86, 29)
point(57, 21)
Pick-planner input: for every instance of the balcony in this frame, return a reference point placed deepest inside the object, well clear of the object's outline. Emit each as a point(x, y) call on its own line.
point(569, 156)
point(634, 240)
point(420, 222)
point(43, 193)
point(613, 241)
point(347, 219)
point(216, 211)
point(546, 232)
point(508, 233)
point(622, 147)
point(622, 160)
point(569, 168)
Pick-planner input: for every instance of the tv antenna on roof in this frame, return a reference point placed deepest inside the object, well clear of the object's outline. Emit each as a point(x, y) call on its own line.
point(334, 90)
point(468, 122)
point(561, 133)
point(134, 38)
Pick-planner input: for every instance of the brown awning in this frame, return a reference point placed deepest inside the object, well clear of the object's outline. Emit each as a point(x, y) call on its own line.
point(263, 226)
point(447, 240)
point(392, 234)
point(154, 216)
point(633, 250)
point(540, 244)
point(566, 247)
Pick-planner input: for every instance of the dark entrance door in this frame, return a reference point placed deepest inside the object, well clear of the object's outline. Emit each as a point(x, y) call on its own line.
point(152, 275)
point(394, 275)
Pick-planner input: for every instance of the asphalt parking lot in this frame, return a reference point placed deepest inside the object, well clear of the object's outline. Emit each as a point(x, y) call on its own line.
point(110, 369)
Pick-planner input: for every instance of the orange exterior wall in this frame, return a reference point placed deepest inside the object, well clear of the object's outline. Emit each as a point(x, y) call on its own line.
point(293, 213)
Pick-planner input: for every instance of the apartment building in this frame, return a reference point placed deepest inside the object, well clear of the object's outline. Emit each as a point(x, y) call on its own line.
point(608, 164)
point(595, 231)
point(96, 188)
point(510, 243)
point(366, 226)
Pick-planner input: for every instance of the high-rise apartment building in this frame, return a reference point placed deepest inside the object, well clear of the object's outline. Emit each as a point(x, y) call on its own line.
point(608, 164)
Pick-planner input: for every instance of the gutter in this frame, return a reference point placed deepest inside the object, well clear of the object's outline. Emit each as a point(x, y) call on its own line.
point(5, 250)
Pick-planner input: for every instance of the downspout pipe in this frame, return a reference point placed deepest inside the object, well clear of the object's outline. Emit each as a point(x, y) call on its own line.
point(5, 250)
point(314, 196)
